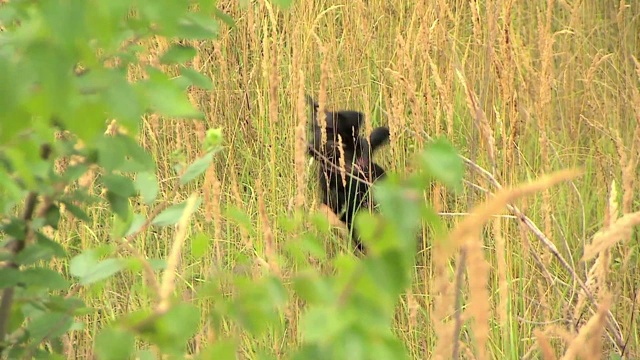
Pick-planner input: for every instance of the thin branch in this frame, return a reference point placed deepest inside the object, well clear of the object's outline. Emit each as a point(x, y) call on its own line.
point(325, 161)
point(458, 302)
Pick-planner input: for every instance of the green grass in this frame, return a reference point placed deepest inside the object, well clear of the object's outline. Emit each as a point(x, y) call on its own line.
point(364, 53)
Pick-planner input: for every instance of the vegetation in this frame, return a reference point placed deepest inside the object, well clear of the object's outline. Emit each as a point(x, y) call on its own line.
point(115, 246)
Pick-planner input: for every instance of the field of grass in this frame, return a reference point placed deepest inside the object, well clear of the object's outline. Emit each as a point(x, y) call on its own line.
point(521, 88)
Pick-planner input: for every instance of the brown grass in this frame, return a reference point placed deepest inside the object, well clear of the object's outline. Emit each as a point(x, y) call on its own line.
point(523, 89)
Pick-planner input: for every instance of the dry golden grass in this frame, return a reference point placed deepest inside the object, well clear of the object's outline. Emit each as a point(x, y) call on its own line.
point(522, 89)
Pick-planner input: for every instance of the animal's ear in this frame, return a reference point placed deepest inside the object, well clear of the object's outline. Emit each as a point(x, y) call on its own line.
point(349, 122)
point(379, 136)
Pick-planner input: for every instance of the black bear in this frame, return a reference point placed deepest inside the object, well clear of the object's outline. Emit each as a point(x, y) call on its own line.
point(346, 190)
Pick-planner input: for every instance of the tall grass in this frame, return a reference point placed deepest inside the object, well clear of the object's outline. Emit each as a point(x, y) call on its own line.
point(521, 88)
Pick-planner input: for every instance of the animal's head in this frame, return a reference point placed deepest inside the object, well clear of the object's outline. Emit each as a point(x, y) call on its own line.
point(343, 127)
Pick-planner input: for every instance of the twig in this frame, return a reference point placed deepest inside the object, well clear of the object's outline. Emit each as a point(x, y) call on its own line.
point(467, 214)
point(458, 301)
point(633, 315)
point(326, 161)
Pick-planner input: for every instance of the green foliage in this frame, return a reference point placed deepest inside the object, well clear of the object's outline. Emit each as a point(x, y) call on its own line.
point(114, 344)
point(179, 54)
point(72, 57)
point(146, 184)
point(436, 160)
point(171, 330)
point(88, 269)
point(172, 214)
point(197, 167)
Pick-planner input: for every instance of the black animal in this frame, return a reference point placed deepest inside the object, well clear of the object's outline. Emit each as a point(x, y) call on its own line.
point(346, 195)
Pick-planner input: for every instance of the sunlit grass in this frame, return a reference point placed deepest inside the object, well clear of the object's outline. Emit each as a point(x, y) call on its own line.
point(558, 88)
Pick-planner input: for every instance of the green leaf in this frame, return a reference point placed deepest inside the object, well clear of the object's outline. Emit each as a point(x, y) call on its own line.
point(15, 228)
point(44, 278)
point(89, 269)
point(9, 277)
point(442, 162)
point(33, 253)
point(77, 212)
point(312, 246)
point(81, 264)
point(111, 153)
point(402, 209)
point(276, 291)
point(69, 305)
point(312, 288)
point(164, 13)
point(120, 185)
point(257, 303)
point(390, 273)
point(200, 245)
point(137, 159)
point(178, 54)
point(172, 330)
point(52, 216)
point(145, 355)
point(125, 103)
point(225, 18)
point(147, 185)
point(86, 119)
point(388, 348)
point(16, 319)
point(19, 163)
point(196, 168)
point(182, 82)
point(221, 349)
point(213, 139)
point(136, 223)
point(323, 324)
point(11, 192)
point(196, 78)
point(195, 26)
point(74, 172)
point(114, 344)
point(103, 270)
point(119, 205)
point(40, 251)
point(172, 214)
point(122, 223)
point(52, 246)
point(49, 325)
point(166, 97)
